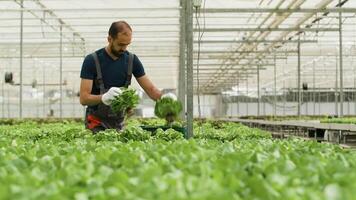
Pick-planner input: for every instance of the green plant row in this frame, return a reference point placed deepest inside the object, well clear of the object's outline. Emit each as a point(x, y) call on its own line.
point(346, 120)
point(223, 161)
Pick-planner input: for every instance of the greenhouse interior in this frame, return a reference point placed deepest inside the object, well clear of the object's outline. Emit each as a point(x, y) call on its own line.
point(178, 99)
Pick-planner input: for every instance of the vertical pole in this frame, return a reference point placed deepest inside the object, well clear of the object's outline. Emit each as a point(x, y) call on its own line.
point(37, 91)
point(37, 107)
point(314, 90)
point(348, 105)
point(306, 102)
point(8, 102)
point(73, 104)
point(258, 91)
point(61, 71)
point(336, 88)
point(238, 92)
point(284, 98)
point(319, 91)
point(264, 101)
point(204, 106)
point(354, 89)
point(44, 91)
point(247, 98)
point(2, 100)
point(298, 82)
point(284, 90)
point(275, 86)
point(341, 65)
point(21, 57)
point(232, 106)
point(182, 56)
point(319, 102)
point(189, 41)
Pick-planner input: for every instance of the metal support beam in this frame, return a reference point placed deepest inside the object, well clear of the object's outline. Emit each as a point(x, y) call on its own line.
point(319, 103)
point(110, 17)
point(3, 99)
point(237, 95)
point(208, 10)
point(235, 65)
point(73, 10)
point(254, 41)
point(258, 92)
point(189, 41)
point(21, 57)
point(270, 29)
point(314, 97)
point(182, 56)
point(298, 81)
point(248, 52)
point(279, 10)
point(51, 14)
point(248, 58)
point(61, 71)
point(341, 65)
point(216, 69)
point(354, 78)
point(212, 71)
point(275, 87)
point(44, 90)
point(337, 87)
point(248, 99)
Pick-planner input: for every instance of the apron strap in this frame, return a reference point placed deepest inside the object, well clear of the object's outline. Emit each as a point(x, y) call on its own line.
point(129, 70)
point(99, 77)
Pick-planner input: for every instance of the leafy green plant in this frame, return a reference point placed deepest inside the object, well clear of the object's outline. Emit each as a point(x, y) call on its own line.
point(168, 135)
point(345, 120)
point(224, 161)
point(128, 99)
point(168, 108)
point(133, 133)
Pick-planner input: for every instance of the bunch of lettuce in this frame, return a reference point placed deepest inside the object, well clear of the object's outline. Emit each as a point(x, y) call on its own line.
point(168, 135)
point(127, 100)
point(168, 108)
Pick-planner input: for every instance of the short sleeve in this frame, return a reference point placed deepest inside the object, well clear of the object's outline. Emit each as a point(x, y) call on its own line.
point(138, 70)
point(88, 68)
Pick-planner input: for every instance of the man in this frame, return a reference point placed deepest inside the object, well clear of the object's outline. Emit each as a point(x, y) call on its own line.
point(104, 72)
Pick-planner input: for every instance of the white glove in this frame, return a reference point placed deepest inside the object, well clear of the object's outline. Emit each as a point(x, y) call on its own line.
point(169, 95)
point(110, 95)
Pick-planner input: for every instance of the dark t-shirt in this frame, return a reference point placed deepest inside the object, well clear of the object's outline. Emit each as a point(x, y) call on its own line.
point(114, 71)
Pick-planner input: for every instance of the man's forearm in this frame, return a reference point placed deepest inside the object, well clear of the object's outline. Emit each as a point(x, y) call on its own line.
point(155, 94)
point(90, 100)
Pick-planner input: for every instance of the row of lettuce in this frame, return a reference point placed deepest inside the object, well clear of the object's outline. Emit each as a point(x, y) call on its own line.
point(322, 119)
point(223, 160)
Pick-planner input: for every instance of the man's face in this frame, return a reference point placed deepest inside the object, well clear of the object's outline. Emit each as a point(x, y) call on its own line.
point(119, 44)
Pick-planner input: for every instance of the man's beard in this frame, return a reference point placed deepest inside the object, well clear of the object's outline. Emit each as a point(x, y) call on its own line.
point(116, 53)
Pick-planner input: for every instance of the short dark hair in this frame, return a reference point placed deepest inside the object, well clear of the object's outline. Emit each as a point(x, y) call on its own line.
point(118, 27)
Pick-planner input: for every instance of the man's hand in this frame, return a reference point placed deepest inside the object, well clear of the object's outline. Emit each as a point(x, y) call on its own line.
point(110, 95)
point(169, 95)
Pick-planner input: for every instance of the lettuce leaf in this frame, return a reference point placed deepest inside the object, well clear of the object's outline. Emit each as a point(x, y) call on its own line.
point(167, 107)
point(127, 100)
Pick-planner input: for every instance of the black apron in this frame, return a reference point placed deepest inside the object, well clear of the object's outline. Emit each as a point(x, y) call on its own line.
point(104, 118)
